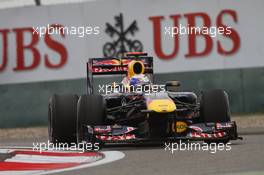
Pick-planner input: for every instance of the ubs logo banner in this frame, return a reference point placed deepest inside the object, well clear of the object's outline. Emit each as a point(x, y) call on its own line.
point(121, 38)
point(161, 30)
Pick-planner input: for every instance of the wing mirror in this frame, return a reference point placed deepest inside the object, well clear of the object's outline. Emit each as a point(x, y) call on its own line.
point(172, 85)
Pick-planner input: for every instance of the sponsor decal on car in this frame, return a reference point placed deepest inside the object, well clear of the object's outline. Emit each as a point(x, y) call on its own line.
point(206, 135)
point(223, 125)
point(179, 126)
point(116, 138)
point(113, 69)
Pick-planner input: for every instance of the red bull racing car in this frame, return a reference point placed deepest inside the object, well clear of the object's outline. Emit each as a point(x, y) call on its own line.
point(138, 111)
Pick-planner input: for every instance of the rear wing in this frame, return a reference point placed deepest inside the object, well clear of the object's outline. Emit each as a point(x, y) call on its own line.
point(114, 66)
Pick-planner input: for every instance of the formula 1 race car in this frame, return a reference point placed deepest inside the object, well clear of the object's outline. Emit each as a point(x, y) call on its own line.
point(138, 111)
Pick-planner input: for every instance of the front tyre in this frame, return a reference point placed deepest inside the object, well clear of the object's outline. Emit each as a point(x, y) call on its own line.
point(62, 118)
point(215, 109)
point(90, 111)
point(215, 106)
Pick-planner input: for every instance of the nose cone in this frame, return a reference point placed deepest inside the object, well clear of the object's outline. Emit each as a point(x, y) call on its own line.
point(161, 105)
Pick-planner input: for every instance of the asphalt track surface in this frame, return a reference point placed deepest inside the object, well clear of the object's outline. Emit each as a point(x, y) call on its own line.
point(245, 157)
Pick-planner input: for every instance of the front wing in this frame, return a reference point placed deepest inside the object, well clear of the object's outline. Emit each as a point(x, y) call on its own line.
point(195, 132)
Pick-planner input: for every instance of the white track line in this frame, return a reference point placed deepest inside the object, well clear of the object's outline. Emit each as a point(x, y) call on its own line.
point(109, 156)
point(50, 159)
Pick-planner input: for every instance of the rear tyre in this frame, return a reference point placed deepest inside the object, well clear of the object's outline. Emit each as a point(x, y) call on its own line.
point(62, 118)
point(90, 111)
point(215, 109)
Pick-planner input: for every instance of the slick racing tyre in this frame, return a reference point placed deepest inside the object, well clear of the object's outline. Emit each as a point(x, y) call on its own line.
point(215, 106)
point(214, 109)
point(90, 111)
point(62, 118)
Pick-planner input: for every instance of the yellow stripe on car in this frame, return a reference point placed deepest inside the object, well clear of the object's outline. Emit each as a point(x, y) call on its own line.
point(162, 105)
